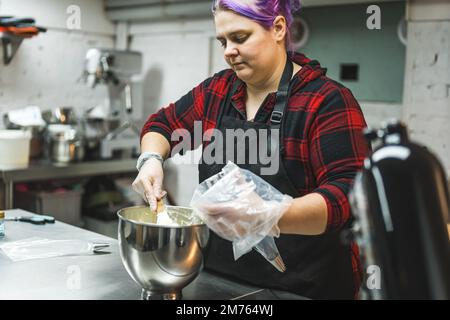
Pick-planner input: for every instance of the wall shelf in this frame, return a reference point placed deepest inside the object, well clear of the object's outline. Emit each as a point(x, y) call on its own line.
point(10, 44)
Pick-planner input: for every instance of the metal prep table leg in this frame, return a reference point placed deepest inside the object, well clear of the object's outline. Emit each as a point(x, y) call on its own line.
point(9, 194)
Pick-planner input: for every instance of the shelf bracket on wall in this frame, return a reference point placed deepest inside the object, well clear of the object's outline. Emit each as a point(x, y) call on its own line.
point(10, 45)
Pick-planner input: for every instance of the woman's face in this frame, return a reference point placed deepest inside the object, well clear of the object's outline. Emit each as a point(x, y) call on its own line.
point(249, 48)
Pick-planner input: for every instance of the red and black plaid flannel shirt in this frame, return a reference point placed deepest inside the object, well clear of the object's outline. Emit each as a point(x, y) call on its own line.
point(322, 131)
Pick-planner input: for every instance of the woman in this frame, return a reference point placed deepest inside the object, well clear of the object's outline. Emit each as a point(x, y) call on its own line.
point(321, 147)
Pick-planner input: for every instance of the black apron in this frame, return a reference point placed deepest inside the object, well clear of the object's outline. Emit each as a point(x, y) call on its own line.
point(318, 267)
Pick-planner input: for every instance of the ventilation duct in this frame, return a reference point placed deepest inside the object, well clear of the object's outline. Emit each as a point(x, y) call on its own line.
point(154, 10)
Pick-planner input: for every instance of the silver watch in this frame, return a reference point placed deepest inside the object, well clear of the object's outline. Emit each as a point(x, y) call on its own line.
point(147, 155)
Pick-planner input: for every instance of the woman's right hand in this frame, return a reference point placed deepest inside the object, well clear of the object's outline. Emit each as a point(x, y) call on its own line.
point(148, 182)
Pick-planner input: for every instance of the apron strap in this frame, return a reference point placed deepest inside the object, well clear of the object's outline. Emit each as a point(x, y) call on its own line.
point(282, 95)
point(227, 100)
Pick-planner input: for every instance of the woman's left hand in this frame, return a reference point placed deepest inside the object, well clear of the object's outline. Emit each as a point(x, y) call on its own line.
point(247, 215)
point(237, 204)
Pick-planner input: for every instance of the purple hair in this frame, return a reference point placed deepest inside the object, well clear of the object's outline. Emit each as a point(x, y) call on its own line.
point(263, 12)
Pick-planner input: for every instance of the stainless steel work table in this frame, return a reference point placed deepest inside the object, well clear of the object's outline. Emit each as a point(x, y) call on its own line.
point(97, 276)
point(45, 170)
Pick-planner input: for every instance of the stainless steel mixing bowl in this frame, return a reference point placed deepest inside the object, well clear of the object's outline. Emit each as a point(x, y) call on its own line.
point(162, 259)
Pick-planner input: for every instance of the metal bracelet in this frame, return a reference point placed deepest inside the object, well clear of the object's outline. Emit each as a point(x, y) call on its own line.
point(148, 155)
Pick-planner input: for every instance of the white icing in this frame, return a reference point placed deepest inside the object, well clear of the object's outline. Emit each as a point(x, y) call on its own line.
point(164, 219)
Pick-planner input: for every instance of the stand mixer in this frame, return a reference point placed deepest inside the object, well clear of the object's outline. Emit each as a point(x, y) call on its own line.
point(115, 69)
point(401, 204)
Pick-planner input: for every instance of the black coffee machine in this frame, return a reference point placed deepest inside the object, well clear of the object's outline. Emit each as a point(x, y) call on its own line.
point(400, 201)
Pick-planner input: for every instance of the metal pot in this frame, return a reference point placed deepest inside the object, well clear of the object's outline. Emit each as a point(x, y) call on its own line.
point(65, 145)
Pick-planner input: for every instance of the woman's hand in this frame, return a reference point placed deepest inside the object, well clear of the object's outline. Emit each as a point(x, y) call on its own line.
point(237, 204)
point(148, 182)
point(247, 215)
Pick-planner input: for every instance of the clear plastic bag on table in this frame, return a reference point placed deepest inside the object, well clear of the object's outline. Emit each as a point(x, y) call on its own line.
point(243, 208)
point(39, 248)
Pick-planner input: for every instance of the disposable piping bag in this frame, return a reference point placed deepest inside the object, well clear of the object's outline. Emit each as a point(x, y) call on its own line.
point(268, 249)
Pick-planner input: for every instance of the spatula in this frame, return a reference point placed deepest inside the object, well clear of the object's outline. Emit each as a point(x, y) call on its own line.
point(160, 206)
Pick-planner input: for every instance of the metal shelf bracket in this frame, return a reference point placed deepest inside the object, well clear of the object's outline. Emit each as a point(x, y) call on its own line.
point(10, 45)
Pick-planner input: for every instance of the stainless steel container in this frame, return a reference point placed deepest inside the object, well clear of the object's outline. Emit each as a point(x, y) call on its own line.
point(65, 145)
point(162, 259)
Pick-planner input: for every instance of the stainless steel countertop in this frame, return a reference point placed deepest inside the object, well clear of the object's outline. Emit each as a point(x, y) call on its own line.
point(99, 276)
point(45, 170)
point(41, 170)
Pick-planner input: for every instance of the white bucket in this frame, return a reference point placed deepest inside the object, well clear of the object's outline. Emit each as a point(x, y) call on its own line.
point(14, 149)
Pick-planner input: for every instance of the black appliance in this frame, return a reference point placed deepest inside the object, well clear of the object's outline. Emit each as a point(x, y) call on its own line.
point(400, 201)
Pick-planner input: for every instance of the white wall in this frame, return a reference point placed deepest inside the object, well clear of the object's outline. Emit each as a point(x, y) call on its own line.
point(376, 113)
point(427, 79)
point(46, 69)
point(176, 58)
